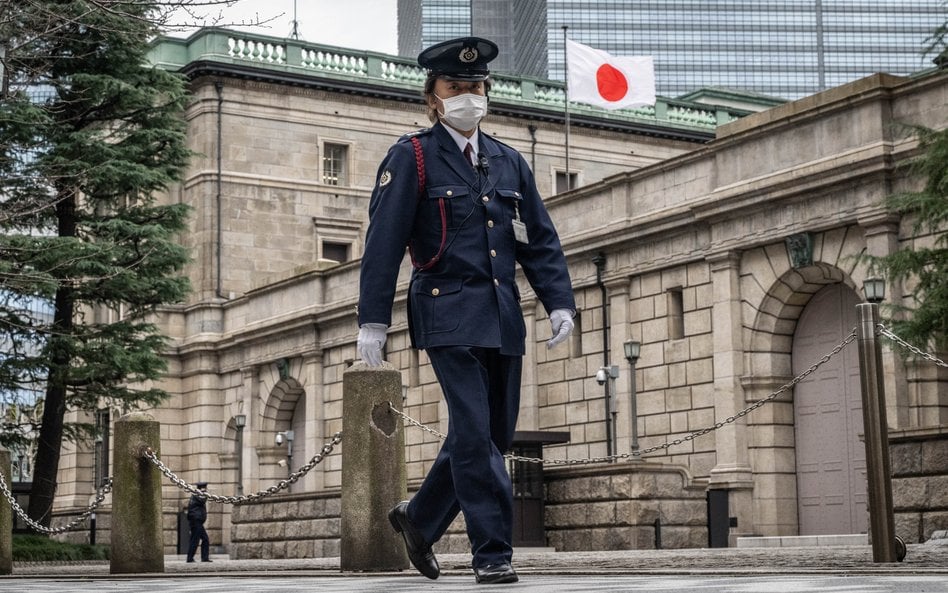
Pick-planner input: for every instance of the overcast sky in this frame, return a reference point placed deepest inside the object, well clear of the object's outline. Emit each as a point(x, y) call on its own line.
point(356, 24)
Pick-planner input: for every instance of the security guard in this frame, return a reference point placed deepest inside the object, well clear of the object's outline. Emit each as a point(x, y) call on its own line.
point(467, 207)
point(197, 515)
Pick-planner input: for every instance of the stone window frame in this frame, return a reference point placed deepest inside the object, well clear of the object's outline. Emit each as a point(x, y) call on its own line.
point(342, 177)
point(557, 172)
point(337, 230)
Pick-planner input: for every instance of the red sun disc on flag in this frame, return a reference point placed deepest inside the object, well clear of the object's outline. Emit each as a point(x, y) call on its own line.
point(612, 83)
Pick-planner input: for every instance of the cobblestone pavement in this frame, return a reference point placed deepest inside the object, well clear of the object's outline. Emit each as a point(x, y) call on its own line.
point(596, 583)
point(921, 559)
point(840, 569)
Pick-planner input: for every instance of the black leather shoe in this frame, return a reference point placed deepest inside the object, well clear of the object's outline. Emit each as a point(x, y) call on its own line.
point(494, 574)
point(206, 560)
point(419, 551)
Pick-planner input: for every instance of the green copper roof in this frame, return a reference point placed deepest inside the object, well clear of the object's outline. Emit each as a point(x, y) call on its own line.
point(226, 51)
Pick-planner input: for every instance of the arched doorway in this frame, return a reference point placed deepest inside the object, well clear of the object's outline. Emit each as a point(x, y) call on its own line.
point(830, 457)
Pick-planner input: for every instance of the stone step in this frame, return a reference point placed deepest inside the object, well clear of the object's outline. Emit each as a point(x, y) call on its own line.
point(797, 541)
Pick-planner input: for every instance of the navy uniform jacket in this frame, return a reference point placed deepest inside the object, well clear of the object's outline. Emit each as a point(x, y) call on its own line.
point(470, 296)
point(197, 509)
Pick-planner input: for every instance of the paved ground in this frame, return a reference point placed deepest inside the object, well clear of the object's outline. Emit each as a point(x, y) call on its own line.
point(841, 569)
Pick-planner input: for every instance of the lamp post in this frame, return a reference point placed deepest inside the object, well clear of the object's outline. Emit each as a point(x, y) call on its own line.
point(632, 349)
point(240, 421)
point(875, 425)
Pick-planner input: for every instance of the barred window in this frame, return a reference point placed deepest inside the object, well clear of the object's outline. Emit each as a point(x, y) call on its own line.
point(335, 164)
point(564, 184)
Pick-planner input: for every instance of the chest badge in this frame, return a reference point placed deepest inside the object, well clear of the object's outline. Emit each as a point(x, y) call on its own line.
point(386, 178)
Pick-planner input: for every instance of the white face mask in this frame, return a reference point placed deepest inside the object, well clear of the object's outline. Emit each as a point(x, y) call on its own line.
point(464, 112)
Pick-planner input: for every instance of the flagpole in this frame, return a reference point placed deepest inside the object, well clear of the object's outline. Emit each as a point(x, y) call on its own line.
point(566, 104)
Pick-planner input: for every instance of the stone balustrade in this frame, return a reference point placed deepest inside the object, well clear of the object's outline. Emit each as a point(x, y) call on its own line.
point(288, 55)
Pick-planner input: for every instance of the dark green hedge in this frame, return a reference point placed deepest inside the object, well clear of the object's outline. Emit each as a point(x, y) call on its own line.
point(37, 548)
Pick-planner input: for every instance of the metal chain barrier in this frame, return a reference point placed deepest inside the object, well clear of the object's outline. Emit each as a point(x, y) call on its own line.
point(668, 444)
point(282, 484)
point(99, 497)
point(888, 333)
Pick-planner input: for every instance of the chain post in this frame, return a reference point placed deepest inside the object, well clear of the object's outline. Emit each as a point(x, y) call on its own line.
point(876, 428)
point(137, 540)
point(6, 516)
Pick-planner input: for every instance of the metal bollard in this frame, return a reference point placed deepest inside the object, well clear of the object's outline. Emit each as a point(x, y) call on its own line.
point(6, 517)
point(136, 497)
point(881, 517)
point(373, 469)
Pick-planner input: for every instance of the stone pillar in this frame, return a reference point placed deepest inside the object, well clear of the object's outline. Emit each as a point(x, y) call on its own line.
point(136, 497)
point(373, 469)
point(313, 385)
point(529, 418)
point(733, 471)
point(6, 517)
point(618, 291)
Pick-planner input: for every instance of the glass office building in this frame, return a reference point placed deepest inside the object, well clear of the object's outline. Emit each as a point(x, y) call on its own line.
point(784, 48)
point(518, 28)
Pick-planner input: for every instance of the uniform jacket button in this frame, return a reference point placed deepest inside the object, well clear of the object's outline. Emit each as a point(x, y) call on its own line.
point(493, 253)
point(490, 224)
point(435, 292)
point(496, 282)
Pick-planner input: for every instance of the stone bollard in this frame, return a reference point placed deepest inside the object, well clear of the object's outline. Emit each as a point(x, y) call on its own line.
point(137, 544)
point(373, 469)
point(6, 517)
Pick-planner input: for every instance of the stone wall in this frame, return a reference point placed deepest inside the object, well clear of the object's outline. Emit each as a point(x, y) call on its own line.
point(614, 507)
point(919, 466)
point(610, 507)
point(288, 526)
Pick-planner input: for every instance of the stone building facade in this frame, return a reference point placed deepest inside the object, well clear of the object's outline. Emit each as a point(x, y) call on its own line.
point(726, 243)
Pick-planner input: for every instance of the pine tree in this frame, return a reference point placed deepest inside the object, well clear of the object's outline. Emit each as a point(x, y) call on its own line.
point(89, 138)
point(923, 269)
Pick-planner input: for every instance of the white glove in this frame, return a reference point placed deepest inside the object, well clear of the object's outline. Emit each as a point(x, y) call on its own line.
point(562, 322)
point(371, 339)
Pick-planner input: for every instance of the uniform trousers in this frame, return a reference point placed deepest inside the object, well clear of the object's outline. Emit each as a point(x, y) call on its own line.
point(199, 534)
point(482, 390)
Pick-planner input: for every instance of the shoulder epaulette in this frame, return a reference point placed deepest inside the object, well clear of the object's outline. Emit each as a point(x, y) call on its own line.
point(415, 134)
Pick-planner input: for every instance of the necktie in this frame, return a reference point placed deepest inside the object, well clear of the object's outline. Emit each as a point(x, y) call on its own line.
point(469, 154)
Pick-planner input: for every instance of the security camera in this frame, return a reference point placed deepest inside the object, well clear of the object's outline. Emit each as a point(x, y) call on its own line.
point(601, 376)
point(279, 438)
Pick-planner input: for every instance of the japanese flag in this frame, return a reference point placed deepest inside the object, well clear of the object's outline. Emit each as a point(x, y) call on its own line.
point(608, 81)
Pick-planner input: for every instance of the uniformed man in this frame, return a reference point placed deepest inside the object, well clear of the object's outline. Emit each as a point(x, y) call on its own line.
point(467, 207)
point(197, 515)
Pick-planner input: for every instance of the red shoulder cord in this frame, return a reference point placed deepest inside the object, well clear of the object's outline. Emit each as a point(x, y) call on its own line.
point(420, 164)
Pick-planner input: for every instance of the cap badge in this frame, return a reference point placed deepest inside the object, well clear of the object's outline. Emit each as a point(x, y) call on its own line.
point(468, 55)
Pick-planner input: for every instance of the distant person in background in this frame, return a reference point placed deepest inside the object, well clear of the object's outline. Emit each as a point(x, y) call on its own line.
point(197, 515)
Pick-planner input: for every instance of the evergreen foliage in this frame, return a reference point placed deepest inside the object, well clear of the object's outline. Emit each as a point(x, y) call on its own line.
point(90, 136)
point(922, 268)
